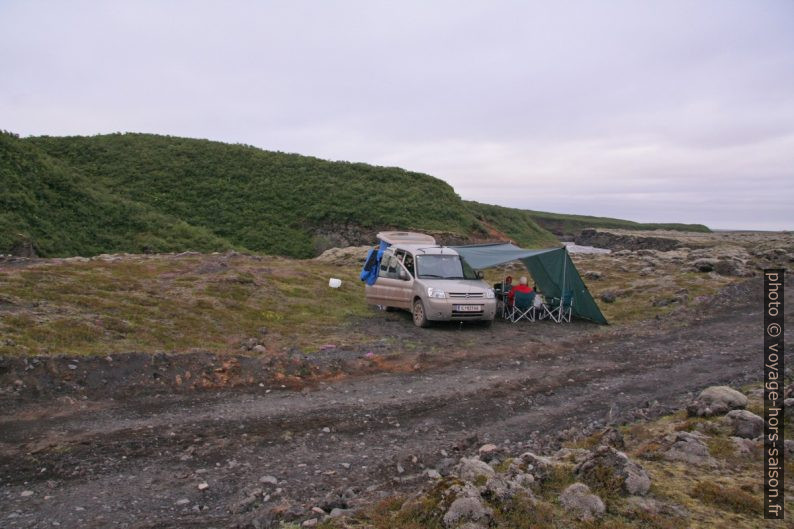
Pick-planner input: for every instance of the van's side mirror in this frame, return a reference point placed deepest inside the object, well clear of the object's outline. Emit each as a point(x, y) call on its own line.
point(402, 274)
point(479, 274)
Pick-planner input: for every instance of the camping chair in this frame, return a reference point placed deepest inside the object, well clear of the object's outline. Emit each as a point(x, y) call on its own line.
point(522, 307)
point(560, 309)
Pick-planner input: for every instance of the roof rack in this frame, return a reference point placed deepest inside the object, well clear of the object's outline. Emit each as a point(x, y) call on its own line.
point(406, 237)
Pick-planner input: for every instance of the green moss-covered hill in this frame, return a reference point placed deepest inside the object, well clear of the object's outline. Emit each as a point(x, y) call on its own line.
point(137, 193)
point(564, 225)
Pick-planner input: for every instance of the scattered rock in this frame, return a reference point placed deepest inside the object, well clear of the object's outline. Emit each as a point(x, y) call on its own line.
point(183, 501)
point(689, 448)
point(487, 451)
point(612, 437)
point(571, 455)
point(469, 469)
point(605, 461)
point(466, 509)
point(789, 447)
point(653, 506)
point(616, 240)
point(578, 500)
point(539, 466)
point(716, 400)
point(259, 348)
point(744, 446)
point(338, 513)
point(203, 486)
point(609, 296)
point(26, 493)
point(446, 466)
point(271, 480)
point(593, 275)
point(745, 424)
point(730, 267)
point(704, 264)
point(311, 522)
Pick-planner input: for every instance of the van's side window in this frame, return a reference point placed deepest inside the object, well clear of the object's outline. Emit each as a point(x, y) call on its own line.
point(388, 266)
point(409, 264)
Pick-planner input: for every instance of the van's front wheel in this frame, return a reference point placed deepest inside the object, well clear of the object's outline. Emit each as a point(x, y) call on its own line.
point(419, 314)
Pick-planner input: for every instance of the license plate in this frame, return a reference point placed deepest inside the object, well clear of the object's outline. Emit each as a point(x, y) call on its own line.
point(468, 308)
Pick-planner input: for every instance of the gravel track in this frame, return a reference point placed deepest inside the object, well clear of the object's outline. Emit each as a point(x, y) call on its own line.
point(126, 459)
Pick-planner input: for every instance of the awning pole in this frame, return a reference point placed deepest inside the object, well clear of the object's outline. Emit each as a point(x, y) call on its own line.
point(564, 267)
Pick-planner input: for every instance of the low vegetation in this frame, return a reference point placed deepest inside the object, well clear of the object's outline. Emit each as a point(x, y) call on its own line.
point(568, 225)
point(168, 303)
point(213, 302)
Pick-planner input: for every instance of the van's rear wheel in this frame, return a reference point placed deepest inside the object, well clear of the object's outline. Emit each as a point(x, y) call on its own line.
point(419, 314)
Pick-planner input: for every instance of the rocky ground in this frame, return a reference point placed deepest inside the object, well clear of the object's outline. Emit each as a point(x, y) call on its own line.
point(148, 456)
point(262, 434)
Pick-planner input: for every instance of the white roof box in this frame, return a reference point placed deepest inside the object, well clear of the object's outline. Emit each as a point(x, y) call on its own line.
point(406, 237)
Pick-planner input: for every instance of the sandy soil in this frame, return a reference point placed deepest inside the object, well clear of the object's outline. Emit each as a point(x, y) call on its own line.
point(124, 443)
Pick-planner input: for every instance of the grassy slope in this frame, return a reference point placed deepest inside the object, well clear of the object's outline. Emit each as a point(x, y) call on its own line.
point(514, 224)
point(566, 225)
point(265, 201)
point(65, 213)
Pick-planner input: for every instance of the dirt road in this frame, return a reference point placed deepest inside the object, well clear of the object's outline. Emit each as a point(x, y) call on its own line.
point(139, 458)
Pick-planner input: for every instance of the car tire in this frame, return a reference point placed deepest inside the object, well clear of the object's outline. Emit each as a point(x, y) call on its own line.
point(420, 314)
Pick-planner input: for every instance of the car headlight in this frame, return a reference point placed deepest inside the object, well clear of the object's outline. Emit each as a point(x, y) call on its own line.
point(436, 293)
point(489, 294)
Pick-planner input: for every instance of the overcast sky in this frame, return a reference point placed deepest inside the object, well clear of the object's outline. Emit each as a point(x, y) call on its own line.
point(645, 110)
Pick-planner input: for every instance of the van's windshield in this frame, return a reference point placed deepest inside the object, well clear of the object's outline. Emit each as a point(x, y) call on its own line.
point(439, 266)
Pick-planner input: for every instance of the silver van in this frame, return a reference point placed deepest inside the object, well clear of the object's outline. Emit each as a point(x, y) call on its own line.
point(431, 281)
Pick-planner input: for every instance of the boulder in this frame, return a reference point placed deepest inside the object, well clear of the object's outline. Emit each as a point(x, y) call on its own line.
point(578, 500)
point(606, 462)
point(609, 296)
point(539, 466)
point(730, 267)
point(467, 509)
point(745, 424)
point(469, 469)
point(705, 264)
point(612, 437)
point(489, 452)
point(716, 400)
point(745, 447)
point(571, 455)
point(689, 448)
point(657, 507)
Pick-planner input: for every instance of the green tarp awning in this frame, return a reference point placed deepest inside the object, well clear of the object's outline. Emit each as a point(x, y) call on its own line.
point(552, 269)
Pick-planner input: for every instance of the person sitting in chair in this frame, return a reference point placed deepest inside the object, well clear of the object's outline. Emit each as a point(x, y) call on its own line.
point(521, 287)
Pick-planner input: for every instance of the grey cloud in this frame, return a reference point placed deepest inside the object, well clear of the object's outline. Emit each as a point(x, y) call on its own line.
point(644, 106)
